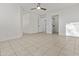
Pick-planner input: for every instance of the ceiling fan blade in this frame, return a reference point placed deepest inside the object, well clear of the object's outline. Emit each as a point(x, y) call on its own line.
point(43, 8)
point(33, 8)
point(38, 6)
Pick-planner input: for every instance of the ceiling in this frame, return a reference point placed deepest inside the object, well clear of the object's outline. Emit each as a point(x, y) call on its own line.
point(51, 7)
point(57, 6)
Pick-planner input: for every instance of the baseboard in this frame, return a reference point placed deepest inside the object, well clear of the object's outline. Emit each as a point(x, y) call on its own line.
point(13, 37)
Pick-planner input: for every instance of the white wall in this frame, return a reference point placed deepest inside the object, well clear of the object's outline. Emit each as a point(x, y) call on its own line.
point(10, 27)
point(66, 16)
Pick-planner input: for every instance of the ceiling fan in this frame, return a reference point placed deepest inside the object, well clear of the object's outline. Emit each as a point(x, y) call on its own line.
point(39, 7)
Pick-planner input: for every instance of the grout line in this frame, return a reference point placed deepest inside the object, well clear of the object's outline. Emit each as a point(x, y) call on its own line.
point(57, 40)
point(60, 51)
point(74, 47)
point(0, 51)
point(12, 48)
point(23, 48)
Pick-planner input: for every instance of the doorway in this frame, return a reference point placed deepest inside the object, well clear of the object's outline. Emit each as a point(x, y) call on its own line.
point(55, 24)
point(41, 25)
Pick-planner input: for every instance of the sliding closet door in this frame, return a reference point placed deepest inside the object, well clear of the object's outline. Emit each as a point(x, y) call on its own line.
point(26, 23)
point(34, 22)
point(42, 24)
point(30, 23)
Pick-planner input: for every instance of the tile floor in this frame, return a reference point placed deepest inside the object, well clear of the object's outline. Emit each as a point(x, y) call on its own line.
point(40, 45)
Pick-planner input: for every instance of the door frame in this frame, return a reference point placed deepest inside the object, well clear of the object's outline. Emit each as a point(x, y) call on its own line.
point(45, 21)
point(58, 23)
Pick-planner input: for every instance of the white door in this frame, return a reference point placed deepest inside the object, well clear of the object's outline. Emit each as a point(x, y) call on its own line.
point(30, 23)
point(26, 23)
point(34, 22)
point(55, 24)
point(41, 25)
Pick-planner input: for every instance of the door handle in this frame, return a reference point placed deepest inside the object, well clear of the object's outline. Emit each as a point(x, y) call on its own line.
point(53, 25)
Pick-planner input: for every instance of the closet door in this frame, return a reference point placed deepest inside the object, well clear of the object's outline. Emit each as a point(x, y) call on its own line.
point(41, 25)
point(26, 23)
point(30, 23)
point(34, 22)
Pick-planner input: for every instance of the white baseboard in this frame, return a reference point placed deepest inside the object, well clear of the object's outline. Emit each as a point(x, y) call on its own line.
point(13, 37)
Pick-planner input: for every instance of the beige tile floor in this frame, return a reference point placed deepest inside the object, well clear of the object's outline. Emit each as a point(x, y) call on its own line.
point(40, 45)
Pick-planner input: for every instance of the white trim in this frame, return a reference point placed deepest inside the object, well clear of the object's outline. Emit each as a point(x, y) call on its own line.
point(13, 37)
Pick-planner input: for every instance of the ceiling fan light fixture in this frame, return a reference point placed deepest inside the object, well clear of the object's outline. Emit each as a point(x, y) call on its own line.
point(38, 7)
